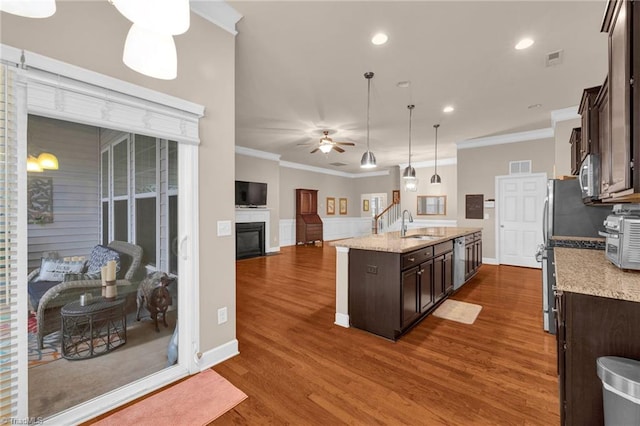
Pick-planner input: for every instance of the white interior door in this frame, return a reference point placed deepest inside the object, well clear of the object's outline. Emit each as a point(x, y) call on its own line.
point(520, 201)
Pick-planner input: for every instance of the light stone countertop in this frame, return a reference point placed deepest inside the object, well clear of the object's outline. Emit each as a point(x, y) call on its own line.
point(394, 243)
point(594, 239)
point(589, 272)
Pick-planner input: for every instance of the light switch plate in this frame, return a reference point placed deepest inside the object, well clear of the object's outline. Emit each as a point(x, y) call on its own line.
point(224, 228)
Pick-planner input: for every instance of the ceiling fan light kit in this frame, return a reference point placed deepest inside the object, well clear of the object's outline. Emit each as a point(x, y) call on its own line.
point(435, 179)
point(368, 160)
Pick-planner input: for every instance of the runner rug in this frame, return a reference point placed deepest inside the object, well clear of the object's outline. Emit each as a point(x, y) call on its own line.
point(455, 310)
point(196, 401)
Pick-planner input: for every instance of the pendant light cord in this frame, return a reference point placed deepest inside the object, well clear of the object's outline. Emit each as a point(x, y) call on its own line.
point(368, 77)
point(410, 114)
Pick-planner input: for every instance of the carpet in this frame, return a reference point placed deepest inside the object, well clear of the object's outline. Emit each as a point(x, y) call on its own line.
point(196, 401)
point(455, 310)
point(50, 349)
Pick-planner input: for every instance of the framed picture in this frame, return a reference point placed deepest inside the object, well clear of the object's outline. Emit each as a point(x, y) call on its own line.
point(331, 205)
point(343, 206)
point(365, 205)
point(396, 196)
point(40, 200)
point(432, 205)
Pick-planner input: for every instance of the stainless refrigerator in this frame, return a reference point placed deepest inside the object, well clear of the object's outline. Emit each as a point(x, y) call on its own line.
point(564, 215)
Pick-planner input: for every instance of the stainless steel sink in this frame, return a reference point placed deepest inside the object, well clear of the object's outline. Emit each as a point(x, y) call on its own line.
point(423, 237)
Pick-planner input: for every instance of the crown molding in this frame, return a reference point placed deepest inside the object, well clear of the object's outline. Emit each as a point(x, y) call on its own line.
point(430, 163)
point(564, 114)
point(507, 138)
point(250, 152)
point(314, 169)
point(217, 12)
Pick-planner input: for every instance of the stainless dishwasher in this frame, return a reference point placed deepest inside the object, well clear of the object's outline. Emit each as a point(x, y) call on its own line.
point(459, 262)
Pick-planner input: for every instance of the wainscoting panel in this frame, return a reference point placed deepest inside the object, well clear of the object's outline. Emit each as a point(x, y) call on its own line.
point(334, 228)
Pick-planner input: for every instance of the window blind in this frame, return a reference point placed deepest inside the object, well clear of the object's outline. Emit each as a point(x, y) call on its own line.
point(13, 330)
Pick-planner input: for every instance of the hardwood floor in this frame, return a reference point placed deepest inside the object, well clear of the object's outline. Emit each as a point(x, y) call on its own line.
point(297, 367)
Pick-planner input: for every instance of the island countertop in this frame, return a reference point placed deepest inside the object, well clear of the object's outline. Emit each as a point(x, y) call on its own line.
point(589, 272)
point(394, 243)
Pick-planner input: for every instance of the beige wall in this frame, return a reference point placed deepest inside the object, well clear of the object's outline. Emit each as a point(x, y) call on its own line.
point(261, 170)
point(91, 35)
point(563, 147)
point(477, 169)
point(448, 187)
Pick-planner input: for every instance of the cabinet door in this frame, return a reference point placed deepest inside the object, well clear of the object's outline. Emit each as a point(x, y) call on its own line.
point(410, 295)
point(307, 203)
point(468, 260)
point(438, 279)
point(427, 283)
point(604, 130)
point(619, 99)
point(447, 267)
point(477, 254)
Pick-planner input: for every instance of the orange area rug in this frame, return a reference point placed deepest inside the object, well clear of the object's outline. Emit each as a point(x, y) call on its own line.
point(196, 401)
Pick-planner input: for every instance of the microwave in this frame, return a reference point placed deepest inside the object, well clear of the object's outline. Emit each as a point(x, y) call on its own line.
point(589, 177)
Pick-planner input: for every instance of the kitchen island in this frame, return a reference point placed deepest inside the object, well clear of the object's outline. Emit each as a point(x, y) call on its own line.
point(387, 283)
point(598, 314)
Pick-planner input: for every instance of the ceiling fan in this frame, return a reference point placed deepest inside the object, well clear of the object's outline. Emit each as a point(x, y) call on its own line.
point(327, 144)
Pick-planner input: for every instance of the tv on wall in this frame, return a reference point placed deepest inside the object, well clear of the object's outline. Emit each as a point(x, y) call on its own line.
point(251, 194)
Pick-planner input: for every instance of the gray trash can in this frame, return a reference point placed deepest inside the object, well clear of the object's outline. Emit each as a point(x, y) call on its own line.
point(620, 390)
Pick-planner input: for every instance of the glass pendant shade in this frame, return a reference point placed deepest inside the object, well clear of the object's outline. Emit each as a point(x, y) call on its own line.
point(33, 165)
point(151, 53)
point(170, 17)
point(436, 178)
point(326, 147)
point(411, 185)
point(409, 173)
point(48, 161)
point(29, 8)
point(368, 160)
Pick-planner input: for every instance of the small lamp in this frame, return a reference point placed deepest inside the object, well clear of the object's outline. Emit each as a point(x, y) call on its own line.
point(33, 165)
point(48, 161)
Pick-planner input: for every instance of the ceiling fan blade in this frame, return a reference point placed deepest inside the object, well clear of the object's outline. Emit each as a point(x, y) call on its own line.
point(317, 149)
point(345, 143)
point(337, 148)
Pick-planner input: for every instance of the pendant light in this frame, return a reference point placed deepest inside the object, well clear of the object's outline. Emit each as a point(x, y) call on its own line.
point(151, 53)
point(368, 160)
point(436, 178)
point(29, 8)
point(409, 174)
point(170, 17)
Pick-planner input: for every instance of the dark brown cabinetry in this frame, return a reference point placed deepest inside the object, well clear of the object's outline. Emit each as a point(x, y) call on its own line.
point(576, 145)
point(589, 135)
point(308, 223)
point(619, 176)
point(590, 327)
point(391, 292)
point(473, 254)
point(604, 138)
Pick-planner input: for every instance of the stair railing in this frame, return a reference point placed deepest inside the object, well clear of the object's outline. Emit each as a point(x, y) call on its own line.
point(386, 218)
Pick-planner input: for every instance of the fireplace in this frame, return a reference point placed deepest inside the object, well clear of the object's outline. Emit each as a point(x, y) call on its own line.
point(249, 240)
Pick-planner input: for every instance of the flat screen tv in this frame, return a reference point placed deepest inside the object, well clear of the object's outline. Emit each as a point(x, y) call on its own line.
point(251, 194)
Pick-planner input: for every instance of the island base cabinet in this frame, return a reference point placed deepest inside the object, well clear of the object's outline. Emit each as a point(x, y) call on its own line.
point(591, 327)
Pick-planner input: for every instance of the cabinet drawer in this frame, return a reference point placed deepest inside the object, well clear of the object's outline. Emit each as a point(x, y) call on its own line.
point(443, 247)
point(416, 257)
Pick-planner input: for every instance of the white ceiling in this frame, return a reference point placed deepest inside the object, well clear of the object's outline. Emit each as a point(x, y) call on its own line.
point(300, 70)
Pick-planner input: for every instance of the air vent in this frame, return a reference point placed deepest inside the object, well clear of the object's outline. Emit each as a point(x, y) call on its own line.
point(519, 167)
point(554, 58)
point(338, 164)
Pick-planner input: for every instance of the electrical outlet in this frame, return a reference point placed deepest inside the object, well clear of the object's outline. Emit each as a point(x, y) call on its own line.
point(372, 269)
point(222, 315)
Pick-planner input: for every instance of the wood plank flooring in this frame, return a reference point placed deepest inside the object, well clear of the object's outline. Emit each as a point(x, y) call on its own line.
point(299, 368)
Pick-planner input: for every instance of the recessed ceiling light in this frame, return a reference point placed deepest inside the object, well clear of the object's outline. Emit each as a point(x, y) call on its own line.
point(380, 38)
point(403, 84)
point(448, 108)
point(534, 106)
point(524, 43)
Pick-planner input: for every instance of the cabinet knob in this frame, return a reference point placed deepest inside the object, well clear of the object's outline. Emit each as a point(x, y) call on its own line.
point(412, 259)
point(420, 271)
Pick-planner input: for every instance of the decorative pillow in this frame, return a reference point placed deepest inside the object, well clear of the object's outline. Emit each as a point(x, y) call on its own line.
point(99, 257)
point(55, 269)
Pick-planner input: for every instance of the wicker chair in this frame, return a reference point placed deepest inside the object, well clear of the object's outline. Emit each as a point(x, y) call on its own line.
point(48, 312)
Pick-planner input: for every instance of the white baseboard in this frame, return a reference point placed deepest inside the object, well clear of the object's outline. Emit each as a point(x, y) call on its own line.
point(273, 249)
point(490, 261)
point(342, 320)
point(217, 355)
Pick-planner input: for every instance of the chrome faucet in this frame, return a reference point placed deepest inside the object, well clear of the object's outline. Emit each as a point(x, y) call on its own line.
point(403, 227)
